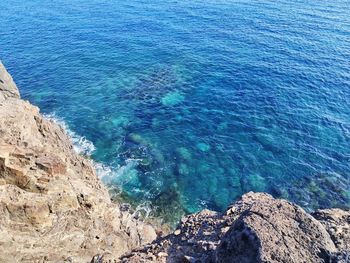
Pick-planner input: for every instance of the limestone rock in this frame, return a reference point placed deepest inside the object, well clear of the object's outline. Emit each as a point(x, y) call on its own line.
point(8, 87)
point(337, 223)
point(53, 165)
point(53, 208)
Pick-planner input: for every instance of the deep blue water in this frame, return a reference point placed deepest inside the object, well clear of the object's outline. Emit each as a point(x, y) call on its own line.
point(192, 103)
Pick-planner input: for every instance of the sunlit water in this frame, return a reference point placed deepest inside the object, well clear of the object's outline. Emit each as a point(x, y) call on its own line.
point(189, 104)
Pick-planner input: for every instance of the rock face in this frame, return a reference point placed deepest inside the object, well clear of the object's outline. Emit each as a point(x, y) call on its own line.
point(270, 230)
point(337, 223)
point(8, 87)
point(53, 208)
point(257, 228)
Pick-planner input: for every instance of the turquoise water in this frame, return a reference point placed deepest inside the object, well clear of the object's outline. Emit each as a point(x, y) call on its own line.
point(189, 104)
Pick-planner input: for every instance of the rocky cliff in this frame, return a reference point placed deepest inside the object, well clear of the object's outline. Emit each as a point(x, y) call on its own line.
point(53, 208)
point(257, 228)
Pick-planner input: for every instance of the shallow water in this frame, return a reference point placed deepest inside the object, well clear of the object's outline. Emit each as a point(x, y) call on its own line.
point(189, 104)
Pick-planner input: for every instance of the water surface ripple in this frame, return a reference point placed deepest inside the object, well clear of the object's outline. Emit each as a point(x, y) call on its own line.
point(192, 103)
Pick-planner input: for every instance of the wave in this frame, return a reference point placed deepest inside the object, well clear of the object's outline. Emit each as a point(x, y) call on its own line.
point(81, 145)
point(117, 177)
point(113, 177)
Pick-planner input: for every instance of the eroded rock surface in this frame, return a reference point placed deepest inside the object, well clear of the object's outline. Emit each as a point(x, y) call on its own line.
point(337, 223)
point(8, 87)
point(257, 228)
point(53, 208)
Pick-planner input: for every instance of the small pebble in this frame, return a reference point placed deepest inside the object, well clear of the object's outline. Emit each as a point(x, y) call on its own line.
point(162, 254)
point(177, 232)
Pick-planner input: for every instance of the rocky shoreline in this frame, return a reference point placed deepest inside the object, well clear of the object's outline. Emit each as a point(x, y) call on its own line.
point(53, 208)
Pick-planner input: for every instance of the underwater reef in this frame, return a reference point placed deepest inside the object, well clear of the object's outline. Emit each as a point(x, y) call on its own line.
point(54, 208)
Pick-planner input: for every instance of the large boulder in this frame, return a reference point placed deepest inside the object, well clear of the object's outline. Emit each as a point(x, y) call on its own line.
point(256, 228)
point(273, 230)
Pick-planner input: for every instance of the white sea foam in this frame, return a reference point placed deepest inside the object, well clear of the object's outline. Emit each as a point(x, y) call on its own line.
point(113, 177)
point(119, 175)
point(143, 211)
point(107, 175)
point(81, 145)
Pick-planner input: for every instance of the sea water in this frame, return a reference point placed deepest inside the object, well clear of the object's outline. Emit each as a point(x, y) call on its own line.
point(187, 105)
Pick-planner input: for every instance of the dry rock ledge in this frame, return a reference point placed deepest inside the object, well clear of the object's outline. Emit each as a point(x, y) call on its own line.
point(53, 208)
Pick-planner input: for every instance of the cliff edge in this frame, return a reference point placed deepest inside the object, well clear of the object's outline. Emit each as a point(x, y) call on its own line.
point(255, 229)
point(53, 208)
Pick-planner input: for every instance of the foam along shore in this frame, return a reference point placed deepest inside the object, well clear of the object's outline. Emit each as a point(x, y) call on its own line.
point(52, 205)
point(53, 208)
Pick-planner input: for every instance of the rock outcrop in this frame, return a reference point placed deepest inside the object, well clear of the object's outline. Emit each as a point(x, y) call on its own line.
point(257, 228)
point(53, 208)
point(337, 224)
point(8, 87)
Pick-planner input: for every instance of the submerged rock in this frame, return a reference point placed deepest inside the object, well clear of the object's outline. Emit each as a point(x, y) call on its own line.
point(172, 98)
point(183, 169)
point(121, 121)
point(137, 138)
point(184, 153)
point(203, 147)
point(256, 182)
